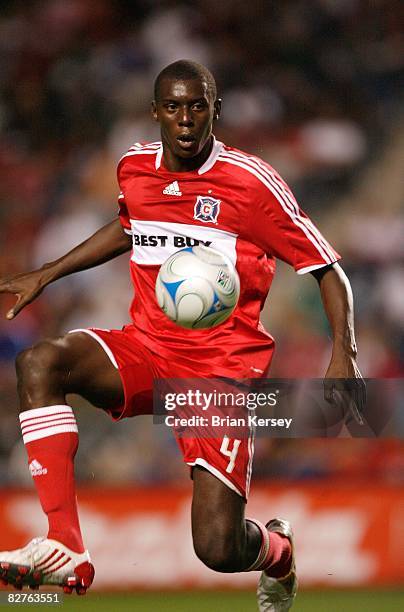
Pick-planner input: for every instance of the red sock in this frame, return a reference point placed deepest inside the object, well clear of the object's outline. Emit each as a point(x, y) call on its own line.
point(275, 555)
point(51, 438)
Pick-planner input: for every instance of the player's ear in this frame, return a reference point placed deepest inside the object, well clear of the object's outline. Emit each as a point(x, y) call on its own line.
point(153, 110)
point(218, 108)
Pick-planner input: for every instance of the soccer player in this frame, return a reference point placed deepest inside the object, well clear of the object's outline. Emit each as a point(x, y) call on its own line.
point(185, 190)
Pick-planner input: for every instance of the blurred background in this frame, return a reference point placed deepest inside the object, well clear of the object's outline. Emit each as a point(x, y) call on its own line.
point(315, 88)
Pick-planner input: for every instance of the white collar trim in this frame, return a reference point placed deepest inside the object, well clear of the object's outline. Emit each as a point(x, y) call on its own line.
point(210, 162)
point(159, 156)
point(214, 154)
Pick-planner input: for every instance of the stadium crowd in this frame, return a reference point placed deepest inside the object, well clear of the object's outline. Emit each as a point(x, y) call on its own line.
point(312, 86)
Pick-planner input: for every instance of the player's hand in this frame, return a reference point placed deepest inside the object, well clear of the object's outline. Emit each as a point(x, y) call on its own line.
point(26, 286)
point(344, 386)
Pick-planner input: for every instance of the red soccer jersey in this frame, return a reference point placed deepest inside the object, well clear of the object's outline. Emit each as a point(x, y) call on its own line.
point(235, 203)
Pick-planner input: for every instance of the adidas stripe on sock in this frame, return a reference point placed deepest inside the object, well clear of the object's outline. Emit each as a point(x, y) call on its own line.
point(43, 422)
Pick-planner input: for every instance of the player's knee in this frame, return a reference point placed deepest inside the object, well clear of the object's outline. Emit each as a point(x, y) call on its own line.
point(38, 364)
point(218, 553)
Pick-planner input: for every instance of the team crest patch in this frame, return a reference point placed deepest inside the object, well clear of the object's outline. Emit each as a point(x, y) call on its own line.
point(206, 209)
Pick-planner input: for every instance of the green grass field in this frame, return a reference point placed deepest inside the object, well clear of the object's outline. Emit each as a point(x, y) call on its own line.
point(314, 601)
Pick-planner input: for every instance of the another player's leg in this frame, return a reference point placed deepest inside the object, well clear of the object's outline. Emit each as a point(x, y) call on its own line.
point(46, 373)
point(227, 542)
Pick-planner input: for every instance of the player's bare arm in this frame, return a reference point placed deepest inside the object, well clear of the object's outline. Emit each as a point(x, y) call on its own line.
point(106, 244)
point(337, 298)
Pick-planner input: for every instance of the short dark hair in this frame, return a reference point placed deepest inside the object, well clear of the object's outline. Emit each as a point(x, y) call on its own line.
point(186, 70)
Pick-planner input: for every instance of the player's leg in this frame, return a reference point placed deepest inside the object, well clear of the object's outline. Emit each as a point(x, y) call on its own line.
point(224, 539)
point(227, 542)
point(46, 373)
point(74, 363)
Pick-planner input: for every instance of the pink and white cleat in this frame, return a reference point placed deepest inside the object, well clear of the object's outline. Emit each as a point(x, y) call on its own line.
point(47, 562)
point(278, 594)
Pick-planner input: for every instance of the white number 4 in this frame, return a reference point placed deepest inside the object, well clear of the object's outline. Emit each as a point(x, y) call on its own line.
point(232, 454)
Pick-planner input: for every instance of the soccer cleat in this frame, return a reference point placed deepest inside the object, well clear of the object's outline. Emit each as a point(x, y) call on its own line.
point(44, 561)
point(277, 594)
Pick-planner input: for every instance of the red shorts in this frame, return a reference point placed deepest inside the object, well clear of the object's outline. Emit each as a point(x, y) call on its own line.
point(230, 460)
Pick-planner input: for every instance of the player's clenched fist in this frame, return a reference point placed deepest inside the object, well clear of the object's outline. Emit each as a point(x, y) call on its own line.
point(26, 286)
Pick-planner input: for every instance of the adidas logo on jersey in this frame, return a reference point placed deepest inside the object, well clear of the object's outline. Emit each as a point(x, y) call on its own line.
point(37, 469)
point(172, 189)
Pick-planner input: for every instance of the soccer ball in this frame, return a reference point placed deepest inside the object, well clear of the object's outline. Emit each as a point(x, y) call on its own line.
point(197, 287)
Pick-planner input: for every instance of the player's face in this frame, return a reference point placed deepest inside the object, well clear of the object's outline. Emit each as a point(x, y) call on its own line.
point(185, 111)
